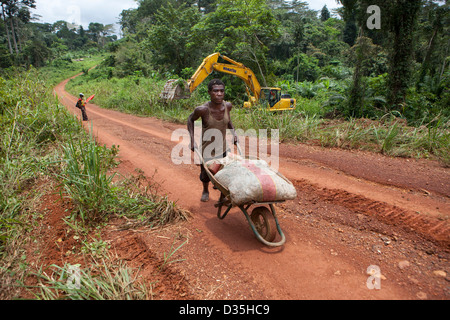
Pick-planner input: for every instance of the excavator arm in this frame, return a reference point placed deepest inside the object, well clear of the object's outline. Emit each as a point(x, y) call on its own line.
point(203, 71)
point(237, 69)
point(180, 89)
point(243, 73)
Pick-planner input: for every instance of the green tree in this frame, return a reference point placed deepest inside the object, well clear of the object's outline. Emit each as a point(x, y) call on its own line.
point(324, 14)
point(36, 53)
point(292, 16)
point(398, 20)
point(303, 67)
point(138, 21)
point(94, 31)
point(242, 29)
point(5, 57)
point(15, 14)
point(356, 103)
point(63, 32)
point(433, 43)
point(128, 21)
point(402, 25)
point(206, 6)
point(168, 38)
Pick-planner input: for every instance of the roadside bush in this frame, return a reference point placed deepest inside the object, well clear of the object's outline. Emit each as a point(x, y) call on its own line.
point(41, 145)
point(31, 125)
point(85, 178)
point(303, 67)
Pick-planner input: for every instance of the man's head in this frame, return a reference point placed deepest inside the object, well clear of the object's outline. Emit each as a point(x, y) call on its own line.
point(214, 82)
point(216, 90)
point(81, 95)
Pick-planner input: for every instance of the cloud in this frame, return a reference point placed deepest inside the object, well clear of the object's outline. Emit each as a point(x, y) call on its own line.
point(82, 12)
point(318, 4)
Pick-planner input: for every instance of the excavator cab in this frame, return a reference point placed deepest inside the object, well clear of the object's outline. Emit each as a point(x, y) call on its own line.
point(276, 100)
point(270, 96)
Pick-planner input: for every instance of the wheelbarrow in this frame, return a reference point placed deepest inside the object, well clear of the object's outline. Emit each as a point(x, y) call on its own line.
point(263, 219)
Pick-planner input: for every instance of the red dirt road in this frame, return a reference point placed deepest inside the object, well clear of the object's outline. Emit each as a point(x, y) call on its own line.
point(353, 210)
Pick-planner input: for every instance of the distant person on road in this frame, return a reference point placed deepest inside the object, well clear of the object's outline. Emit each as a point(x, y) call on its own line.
point(81, 104)
point(215, 115)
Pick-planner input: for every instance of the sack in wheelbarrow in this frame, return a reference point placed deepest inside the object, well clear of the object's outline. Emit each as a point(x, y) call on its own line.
point(250, 181)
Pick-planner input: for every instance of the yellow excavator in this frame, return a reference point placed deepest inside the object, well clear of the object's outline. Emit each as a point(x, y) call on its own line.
point(180, 89)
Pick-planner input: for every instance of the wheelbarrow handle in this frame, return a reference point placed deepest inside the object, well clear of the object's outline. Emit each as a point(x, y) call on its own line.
point(199, 155)
point(213, 180)
point(239, 148)
point(201, 158)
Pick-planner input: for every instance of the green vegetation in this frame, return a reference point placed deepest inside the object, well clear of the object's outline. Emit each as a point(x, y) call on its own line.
point(59, 70)
point(343, 80)
point(85, 179)
point(384, 90)
point(341, 72)
point(43, 149)
point(308, 123)
point(105, 282)
point(401, 67)
point(25, 43)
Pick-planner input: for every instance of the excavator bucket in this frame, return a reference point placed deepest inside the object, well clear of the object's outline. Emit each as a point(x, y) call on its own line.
point(175, 89)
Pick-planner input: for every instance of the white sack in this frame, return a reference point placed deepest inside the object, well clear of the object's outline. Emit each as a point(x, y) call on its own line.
point(254, 181)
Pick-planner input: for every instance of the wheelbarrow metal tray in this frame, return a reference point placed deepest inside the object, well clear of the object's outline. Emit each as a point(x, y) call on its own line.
point(246, 182)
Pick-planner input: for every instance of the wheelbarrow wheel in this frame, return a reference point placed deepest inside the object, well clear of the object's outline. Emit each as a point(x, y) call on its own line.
point(265, 223)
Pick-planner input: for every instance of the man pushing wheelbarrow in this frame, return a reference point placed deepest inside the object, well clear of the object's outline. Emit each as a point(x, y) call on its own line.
point(242, 181)
point(215, 115)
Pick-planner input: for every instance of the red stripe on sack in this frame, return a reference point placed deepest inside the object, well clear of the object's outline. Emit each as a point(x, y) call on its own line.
point(214, 168)
point(267, 184)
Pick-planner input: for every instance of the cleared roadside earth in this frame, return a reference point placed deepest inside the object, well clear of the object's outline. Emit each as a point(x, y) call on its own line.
point(354, 210)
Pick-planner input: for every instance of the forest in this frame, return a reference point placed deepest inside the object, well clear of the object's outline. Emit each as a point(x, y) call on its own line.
point(355, 63)
point(371, 76)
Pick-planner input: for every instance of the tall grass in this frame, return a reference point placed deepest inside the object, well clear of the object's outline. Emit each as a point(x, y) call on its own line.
point(85, 178)
point(61, 69)
point(389, 135)
point(291, 125)
point(31, 123)
point(106, 282)
point(41, 145)
point(389, 140)
point(32, 127)
point(143, 205)
point(131, 96)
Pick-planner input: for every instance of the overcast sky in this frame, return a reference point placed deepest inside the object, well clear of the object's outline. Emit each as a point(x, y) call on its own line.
point(107, 11)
